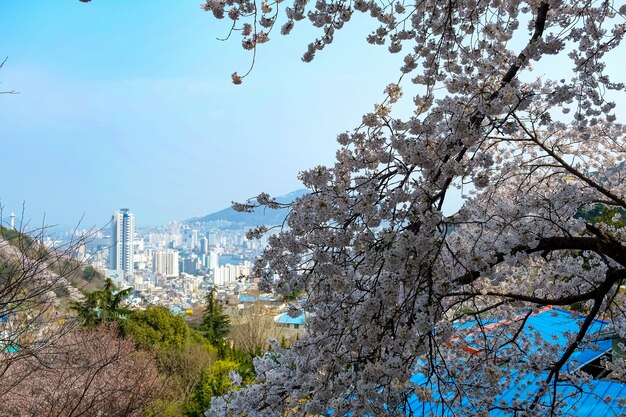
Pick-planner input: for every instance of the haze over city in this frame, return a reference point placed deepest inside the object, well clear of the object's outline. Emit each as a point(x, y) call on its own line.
point(129, 104)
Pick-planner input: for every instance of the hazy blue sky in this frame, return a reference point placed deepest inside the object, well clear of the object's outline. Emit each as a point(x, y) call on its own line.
point(129, 104)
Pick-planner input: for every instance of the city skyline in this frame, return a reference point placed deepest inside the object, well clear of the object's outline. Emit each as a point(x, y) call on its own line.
point(140, 111)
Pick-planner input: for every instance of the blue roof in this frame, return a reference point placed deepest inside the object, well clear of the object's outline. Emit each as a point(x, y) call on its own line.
point(471, 323)
point(11, 349)
point(554, 325)
point(601, 398)
point(247, 298)
point(598, 398)
point(286, 319)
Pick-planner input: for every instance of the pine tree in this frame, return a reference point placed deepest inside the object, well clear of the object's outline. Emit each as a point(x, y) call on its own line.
point(215, 323)
point(103, 305)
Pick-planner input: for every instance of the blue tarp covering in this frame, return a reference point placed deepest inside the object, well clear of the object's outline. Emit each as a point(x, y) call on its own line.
point(247, 298)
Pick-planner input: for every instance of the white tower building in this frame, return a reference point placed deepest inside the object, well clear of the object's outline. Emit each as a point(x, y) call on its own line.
point(122, 235)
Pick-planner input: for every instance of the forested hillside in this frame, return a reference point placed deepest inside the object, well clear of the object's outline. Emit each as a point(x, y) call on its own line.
point(88, 354)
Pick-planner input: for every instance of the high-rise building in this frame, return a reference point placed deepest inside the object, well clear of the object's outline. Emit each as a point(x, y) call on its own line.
point(165, 262)
point(204, 245)
point(227, 274)
point(213, 260)
point(122, 235)
point(194, 239)
point(213, 241)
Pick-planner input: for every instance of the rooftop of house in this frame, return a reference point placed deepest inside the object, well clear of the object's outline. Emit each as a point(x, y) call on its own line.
point(594, 397)
point(285, 318)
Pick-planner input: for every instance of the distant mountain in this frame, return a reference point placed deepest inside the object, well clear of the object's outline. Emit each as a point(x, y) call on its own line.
point(259, 216)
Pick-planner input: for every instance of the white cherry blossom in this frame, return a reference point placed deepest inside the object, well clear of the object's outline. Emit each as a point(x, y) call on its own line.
point(386, 271)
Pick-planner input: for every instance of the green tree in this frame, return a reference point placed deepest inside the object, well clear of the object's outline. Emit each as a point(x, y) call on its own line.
point(157, 327)
point(600, 213)
point(214, 381)
point(90, 273)
point(215, 324)
point(103, 305)
point(182, 354)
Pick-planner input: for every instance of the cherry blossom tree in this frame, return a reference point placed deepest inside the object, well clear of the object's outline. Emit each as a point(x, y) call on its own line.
point(35, 281)
point(87, 372)
point(514, 111)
